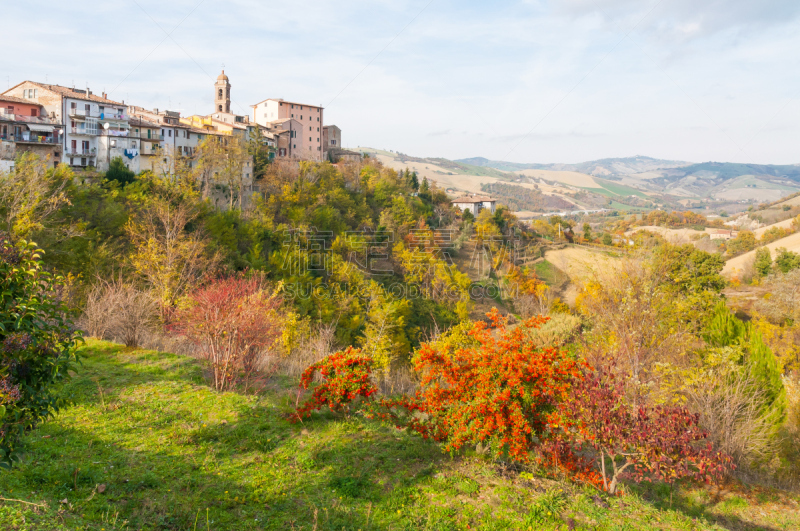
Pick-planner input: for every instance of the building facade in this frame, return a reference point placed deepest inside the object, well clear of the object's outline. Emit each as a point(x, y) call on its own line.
point(83, 116)
point(306, 137)
point(26, 126)
point(474, 203)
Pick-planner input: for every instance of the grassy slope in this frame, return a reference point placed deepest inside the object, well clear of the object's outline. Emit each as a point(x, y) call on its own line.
point(170, 452)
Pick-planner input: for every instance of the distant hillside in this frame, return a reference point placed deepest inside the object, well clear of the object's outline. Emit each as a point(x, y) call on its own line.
point(603, 168)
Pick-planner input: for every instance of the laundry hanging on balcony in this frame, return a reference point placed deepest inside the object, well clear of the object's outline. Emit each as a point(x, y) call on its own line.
point(130, 153)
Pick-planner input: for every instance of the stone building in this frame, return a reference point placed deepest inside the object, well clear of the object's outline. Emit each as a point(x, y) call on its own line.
point(331, 139)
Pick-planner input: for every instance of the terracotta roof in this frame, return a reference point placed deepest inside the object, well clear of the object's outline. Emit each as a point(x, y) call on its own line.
point(75, 94)
point(14, 99)
point(141, 122)
point(476, 199)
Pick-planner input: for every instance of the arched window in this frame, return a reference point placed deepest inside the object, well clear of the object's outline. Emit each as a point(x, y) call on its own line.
point(220, 93)
point(220, 108)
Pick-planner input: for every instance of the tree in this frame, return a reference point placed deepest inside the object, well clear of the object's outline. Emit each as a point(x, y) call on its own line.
point(607, 240)
point(38, 344)
point(587, 232)
point(118, 171)
point(30, 195)
point(726, 330)
point(414, 181)
point(234, 322)
point(170, 257)
point(763, 261)
point(786, 260)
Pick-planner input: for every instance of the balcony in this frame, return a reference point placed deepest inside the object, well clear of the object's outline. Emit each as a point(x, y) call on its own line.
point(5, 115)
point(114, 132)
point(33, 139)
point(79, 152)
point(82, 113)
point(82, 131)
point(113, 116)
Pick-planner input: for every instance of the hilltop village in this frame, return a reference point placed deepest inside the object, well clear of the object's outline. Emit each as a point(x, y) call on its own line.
point(86, 130)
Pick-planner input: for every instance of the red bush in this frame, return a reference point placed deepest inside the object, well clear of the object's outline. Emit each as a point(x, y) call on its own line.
point(235, 322)
point(644, 443)
point(347, 376)
point(498, 392)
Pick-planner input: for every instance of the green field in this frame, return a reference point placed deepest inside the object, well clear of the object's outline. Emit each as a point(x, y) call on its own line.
point(147, 444)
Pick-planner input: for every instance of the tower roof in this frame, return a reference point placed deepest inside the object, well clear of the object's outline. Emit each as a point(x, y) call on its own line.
point(222, 77)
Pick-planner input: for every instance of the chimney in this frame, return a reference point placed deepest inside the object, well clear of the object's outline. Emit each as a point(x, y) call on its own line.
point(105, 96)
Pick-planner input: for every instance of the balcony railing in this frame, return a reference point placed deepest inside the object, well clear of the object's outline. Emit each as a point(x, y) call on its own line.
point(5, 115)
point(82, 113)
point(114, 132)
point(34, 139)
point(82, 131)
point(79, 152)
point(113, 116)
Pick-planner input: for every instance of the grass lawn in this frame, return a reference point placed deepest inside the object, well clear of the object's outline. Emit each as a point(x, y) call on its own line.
point(148, 445)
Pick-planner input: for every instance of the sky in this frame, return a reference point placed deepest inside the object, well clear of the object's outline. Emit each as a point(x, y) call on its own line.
point(525, 81)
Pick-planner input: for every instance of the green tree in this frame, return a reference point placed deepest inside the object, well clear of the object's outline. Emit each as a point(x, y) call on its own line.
point(587, 231)
point(787, 260)
point(607, 240)
point(763, 262)
point(118, 171)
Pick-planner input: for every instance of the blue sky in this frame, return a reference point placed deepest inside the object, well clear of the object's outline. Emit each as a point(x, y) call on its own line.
point(527, 81)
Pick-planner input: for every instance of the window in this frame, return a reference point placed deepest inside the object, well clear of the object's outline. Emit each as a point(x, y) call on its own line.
point(293, 116)
point(309, 128)
point(34, 112)
point(318, 118)
point(301, 116)
point(220, 108)
point(73, 105)
point(170, 133)
point(333, 142)
point(309, 139)
point(220, 94)
point(162, 132)
point(317, 129)
point(133, 145)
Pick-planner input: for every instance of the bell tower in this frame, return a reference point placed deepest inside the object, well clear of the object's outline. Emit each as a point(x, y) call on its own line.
point(222, 94)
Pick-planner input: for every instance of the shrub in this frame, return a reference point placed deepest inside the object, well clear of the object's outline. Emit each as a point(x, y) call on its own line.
point(494, 387)
point(234, 321)
point(644, 443)
point(119, 312)
point(38, 344)
point(347, 375)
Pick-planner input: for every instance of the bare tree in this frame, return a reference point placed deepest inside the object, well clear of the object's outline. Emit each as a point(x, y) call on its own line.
point(119, 312)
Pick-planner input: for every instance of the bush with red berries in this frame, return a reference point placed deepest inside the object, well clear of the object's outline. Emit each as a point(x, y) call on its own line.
point(346, 376)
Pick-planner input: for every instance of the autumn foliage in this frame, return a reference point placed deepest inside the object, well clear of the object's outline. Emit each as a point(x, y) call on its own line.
point(233, 321)
point(497, 391)
point(639, 442)
point(346, 376)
